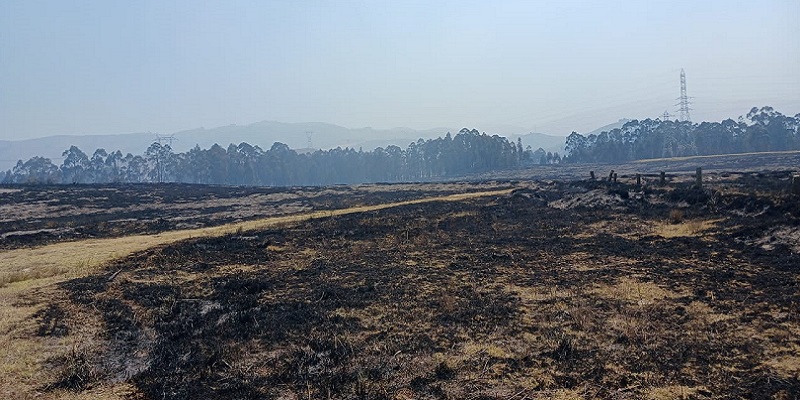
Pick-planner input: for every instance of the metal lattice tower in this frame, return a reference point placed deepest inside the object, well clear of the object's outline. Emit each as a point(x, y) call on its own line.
point(665, 116)
point(684, 100)
point(308, 135)
point(165, 138)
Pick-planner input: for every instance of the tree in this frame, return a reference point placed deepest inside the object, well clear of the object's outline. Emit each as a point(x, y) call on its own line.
point(161, 162)
point(762, 129)
point(36, 170)
point(75, 164)
point(97, 167)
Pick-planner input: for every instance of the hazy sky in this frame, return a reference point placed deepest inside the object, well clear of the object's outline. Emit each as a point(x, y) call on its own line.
point(91, 67)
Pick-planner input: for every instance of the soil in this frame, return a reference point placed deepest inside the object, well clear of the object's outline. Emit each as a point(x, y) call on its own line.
point(561, 288)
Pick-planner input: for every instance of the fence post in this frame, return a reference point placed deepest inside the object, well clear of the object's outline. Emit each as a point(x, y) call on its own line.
point(698, 178)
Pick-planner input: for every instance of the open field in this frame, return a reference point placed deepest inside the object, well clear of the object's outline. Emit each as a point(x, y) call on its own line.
point(521, 290)
point(48, 214)
point(650, 168)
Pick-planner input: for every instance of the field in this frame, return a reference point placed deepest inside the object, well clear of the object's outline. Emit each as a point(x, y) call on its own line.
point(522, 289)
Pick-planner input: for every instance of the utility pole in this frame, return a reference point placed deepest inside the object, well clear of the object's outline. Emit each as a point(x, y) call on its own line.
point(684, 100)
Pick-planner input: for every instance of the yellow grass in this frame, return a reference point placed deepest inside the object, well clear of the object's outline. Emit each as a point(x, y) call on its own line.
point(489, 349)
point(673, 392)
point(634, 291)
point(684, 229)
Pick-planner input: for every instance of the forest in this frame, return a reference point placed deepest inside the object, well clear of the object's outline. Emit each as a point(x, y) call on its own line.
point(760, 130)
point(467, 152)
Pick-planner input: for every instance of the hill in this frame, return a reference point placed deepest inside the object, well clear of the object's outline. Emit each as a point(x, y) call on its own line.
point(53, 146)
point(547, 142)
point(610, 127)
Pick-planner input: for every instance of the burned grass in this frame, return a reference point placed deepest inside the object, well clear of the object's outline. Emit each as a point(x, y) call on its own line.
point(541, 292)
point(34, 215)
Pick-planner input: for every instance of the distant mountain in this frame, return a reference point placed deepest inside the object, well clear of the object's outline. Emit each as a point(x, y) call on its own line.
point(262, 134)
point(609, 127)
point(501, 129)
point(547, 142)
point(53, 146)
point(555, 143)
point(295, 135)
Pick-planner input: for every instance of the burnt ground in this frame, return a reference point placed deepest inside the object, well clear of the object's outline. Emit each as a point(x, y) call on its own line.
point(746, 162)
point(580, 289)
point(34, 215)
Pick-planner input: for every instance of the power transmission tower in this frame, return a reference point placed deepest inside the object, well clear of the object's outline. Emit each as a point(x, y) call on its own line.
point(684, 100)
point(308, 135)
point(165, 138)
point(665, 116)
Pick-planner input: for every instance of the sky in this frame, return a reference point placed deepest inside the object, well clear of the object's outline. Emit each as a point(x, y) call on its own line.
point(104, 67)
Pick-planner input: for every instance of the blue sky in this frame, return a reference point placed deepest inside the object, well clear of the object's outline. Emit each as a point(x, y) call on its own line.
point(92, 67)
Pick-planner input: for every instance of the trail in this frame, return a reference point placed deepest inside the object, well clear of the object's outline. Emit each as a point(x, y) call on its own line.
point(23, 269)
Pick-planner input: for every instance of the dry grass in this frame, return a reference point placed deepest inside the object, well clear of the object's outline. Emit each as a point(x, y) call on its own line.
point(27, 273)
point(676, 216)
point(674, 392)
point(626, 226)
point(786, 366)
point(29, 362)
point(26, 268)
point(690, 228)
point(633, 291)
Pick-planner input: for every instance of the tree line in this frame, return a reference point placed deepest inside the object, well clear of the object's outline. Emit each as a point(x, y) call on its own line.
point(467, 152)
point(760, 130)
